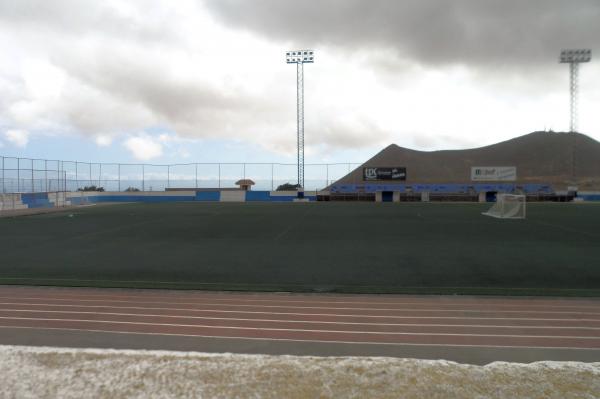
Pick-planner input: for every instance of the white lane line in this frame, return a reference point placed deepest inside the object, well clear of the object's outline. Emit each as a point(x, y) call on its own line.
point(312, 307)
point(311, 321)
point(307, 340)
point(536, 303)
point(300, 329)
point(294, 313)
point(143, 299)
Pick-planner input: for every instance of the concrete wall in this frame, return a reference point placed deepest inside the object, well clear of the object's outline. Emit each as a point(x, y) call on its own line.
point(78, 198)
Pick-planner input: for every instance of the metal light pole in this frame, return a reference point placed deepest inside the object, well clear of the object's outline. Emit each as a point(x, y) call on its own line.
point(300, 57)
point(574, 58)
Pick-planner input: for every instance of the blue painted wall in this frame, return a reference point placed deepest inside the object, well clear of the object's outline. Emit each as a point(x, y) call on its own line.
point(258, 196)
point(208, 196)
point(213, 196)
point(129, 198)
point(36, 200)
point(290, 198)
point(590, 197)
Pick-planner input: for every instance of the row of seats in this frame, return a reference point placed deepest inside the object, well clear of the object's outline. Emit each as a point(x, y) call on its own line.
point(443, 188)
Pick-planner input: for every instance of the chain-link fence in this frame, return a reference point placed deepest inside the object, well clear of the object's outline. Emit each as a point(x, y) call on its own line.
point(26, 175)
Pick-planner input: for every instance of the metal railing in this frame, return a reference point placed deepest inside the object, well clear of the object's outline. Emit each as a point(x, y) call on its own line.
point(25, 175)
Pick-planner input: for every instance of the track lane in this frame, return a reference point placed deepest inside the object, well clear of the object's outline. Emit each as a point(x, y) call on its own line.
point(419, 328)
point(303, 317)
point(293, 298)
point(314, 335)
point(276, 308)
point(535, 323)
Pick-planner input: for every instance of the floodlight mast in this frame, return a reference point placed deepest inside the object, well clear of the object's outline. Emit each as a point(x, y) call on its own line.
point(574, 57)
point(300, 57)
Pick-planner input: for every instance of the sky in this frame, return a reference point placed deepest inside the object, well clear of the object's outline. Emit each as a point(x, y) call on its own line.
point(155, 81)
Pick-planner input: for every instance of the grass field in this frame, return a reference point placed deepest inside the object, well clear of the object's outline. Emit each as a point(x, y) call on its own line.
point(338, 247)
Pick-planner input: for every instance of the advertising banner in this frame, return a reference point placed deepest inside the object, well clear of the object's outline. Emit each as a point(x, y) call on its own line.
point(377, 173)
point(494, 173)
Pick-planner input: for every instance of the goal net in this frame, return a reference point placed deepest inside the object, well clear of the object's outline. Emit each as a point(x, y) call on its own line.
point(508, 206)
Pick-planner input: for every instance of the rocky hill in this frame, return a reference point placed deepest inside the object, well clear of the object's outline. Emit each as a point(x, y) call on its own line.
point(561, 159)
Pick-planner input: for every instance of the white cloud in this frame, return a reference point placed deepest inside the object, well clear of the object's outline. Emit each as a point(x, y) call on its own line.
point(103, 140)
point(108, 70)
point(18, 138)
point(143, 147)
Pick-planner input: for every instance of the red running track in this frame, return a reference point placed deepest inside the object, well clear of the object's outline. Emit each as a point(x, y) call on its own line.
point(364, 319)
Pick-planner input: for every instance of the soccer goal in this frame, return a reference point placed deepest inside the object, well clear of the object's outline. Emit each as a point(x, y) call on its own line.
point(508, 206)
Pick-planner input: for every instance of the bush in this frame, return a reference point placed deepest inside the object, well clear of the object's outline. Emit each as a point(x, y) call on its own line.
point(130, 189)
point(288, 187)
point(91, 188)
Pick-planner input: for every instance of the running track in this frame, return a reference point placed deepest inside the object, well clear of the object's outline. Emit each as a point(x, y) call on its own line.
point(547, 324)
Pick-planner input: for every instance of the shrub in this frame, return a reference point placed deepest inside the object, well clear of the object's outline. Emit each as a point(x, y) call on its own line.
point(91, 188)
point(288, 187)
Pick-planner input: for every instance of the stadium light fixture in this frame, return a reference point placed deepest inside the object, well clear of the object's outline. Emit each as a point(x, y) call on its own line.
point(574, 57)
point(300, 57)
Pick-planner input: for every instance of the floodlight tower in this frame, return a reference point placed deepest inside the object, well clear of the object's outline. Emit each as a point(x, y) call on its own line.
point(300, 57)
point(574, 58)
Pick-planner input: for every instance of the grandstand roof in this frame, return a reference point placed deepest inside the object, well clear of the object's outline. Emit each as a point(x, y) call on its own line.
point(245, 182)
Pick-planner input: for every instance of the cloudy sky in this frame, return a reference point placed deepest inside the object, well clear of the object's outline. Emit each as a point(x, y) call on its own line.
point(205, 81)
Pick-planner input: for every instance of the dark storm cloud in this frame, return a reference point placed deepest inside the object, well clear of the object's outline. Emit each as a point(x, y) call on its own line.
point(195, 108)
point(74, 17)
point(428, 31)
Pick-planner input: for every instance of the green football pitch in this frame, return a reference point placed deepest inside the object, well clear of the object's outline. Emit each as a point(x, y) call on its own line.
point(323, 247)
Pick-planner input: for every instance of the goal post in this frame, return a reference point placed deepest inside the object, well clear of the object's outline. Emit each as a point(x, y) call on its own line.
point(508, 206)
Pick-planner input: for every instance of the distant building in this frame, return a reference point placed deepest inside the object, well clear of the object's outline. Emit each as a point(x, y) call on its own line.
point(245, 184)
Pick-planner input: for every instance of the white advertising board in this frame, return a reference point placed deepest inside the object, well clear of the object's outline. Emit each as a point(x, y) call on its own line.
point(494, 173)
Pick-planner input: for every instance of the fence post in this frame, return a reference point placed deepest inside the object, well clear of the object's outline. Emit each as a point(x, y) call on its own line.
point(327, 175)
point(76, 175)
point(90, 173)
point(3, 185)
point(119, 175)
point(100, 175)
point(219, 175)
point(196, 176)
point(143, 178)
point(272, 179)
point(168, 176)
point(64, 173)
point(32, 182)
point(18, 175)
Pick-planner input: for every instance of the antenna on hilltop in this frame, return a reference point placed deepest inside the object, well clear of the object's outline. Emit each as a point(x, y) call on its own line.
point(300, 57)
point(574, 58)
